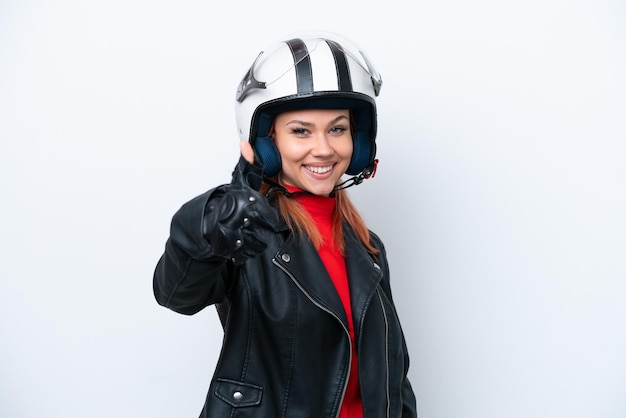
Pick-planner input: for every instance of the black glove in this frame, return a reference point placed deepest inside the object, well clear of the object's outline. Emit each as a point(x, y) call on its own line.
point(238, 220)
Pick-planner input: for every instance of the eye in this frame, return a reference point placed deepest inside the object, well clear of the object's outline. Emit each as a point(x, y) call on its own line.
point(338, 130)
point(299, 131)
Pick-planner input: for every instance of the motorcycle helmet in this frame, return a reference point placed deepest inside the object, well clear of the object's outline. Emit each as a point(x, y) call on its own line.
point(309, 70)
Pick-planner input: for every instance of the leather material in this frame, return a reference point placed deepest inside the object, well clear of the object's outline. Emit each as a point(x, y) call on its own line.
point(238, 219)
point(286, 349)
point(231, 221)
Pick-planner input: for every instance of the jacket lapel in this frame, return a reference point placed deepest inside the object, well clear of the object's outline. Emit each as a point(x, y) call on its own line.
point(300, 260)
point(364, 275)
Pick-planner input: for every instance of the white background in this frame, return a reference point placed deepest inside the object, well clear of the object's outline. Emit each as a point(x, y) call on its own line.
point(500, 196)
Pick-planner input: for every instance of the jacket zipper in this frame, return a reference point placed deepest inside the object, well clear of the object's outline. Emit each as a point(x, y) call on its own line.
point(382, 307)
point(345, 385)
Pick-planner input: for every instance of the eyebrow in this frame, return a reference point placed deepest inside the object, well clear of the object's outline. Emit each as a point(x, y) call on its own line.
point(305, 123)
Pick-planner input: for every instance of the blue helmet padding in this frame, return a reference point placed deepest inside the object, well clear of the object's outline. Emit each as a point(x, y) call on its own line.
point(361, 153)
point(363, 145)
point(269, 155)
point(264, 146)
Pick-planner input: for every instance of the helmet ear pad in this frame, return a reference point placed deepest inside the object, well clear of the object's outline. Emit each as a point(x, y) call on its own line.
point(264, 145)
point(362, 145)
point(269, 155)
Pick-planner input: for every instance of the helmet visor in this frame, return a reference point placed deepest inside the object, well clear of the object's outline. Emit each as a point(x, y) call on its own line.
point(283, 56)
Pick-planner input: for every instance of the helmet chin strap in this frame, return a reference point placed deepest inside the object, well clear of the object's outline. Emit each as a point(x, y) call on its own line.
point(369, 171)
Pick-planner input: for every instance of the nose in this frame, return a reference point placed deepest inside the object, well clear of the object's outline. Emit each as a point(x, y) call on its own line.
point(322, 146)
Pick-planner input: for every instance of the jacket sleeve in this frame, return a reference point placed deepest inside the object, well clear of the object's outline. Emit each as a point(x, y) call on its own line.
point(409, 402)
point(187, 277)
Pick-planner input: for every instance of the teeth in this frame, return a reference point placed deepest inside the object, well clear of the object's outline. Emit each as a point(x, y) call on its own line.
point(319, 170)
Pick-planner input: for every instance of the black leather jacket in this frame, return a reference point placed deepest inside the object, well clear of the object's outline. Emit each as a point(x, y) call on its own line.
point(286, 349)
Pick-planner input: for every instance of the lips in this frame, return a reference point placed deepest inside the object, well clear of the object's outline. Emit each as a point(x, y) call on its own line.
point(319, 170)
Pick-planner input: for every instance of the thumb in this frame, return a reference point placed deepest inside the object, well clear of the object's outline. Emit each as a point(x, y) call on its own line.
point(246, 151)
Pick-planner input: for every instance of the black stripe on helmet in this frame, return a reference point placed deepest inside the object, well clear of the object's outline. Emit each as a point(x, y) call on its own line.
point(344, 81)
point(302, 61)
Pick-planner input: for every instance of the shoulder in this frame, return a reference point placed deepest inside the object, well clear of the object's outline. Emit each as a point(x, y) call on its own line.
point(376, 241)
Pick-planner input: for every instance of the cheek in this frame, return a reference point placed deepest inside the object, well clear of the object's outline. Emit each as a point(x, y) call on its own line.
point(345, 149)
point(288, 151)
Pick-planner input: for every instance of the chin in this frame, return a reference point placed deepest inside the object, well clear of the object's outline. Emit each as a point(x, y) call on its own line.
point(319, 191)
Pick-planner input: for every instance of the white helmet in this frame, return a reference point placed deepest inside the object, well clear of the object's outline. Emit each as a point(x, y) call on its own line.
point(309, 71)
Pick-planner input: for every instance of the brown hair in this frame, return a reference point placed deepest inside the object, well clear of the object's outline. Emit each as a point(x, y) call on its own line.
point(299, 221)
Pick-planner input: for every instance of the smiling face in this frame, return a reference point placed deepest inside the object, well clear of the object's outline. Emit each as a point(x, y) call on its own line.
point(315, 147)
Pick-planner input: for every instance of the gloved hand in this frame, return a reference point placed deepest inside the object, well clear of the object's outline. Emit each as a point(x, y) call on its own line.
point(238, 220)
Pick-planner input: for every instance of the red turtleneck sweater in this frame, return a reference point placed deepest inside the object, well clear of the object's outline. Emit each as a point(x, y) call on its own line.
point(321, 210)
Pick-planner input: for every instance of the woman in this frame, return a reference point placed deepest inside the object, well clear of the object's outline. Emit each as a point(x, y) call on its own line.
point(300, 284)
